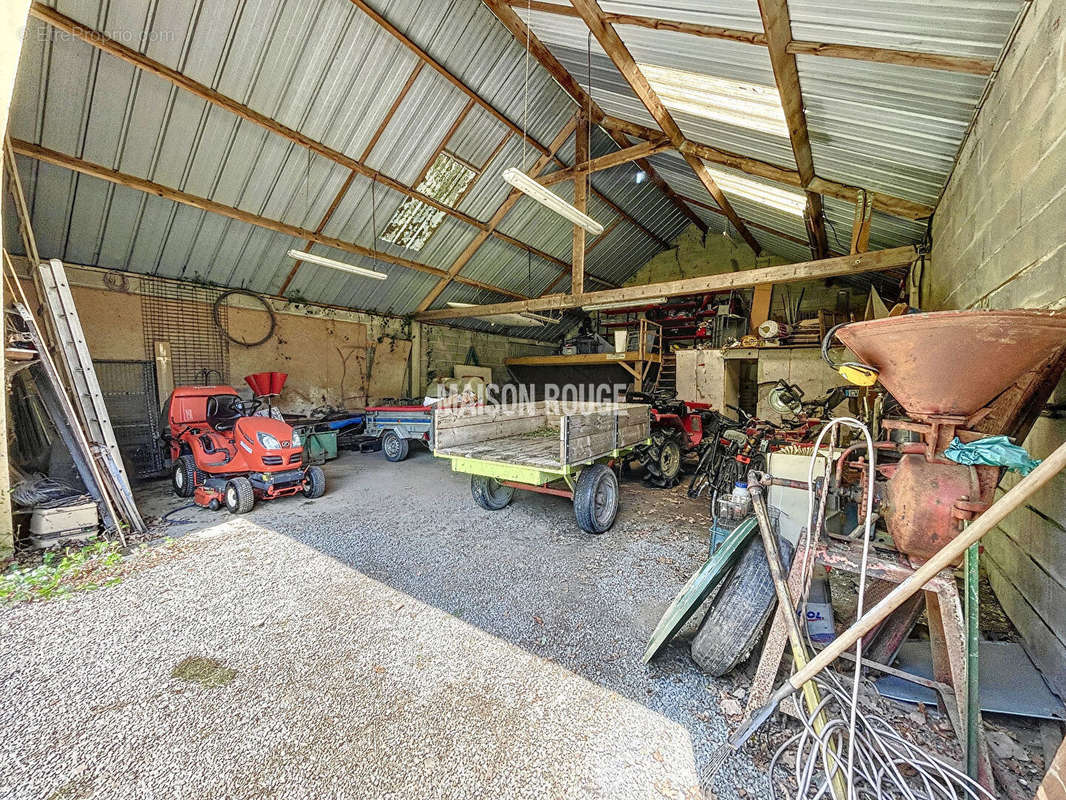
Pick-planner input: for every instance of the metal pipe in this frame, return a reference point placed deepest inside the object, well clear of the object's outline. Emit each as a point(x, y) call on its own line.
point(811, 696)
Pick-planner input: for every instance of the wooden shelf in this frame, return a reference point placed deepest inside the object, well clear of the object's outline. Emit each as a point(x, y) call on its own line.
point(581, 358)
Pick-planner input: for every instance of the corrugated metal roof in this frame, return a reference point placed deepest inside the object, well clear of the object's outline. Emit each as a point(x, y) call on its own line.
point(886, 127)
point(950, 27)
point(889, 128)
point(568, 39)
point(329, 71)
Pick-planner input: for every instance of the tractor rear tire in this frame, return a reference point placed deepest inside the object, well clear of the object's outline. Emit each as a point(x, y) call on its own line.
point(394, 446)
point(596, 498)
point(183, 476)
point(239, 495)
point(315, 485)
point(489, 493)
point(737, 614)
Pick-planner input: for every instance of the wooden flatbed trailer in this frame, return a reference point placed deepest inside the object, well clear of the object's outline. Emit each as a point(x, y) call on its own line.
point(537, 447)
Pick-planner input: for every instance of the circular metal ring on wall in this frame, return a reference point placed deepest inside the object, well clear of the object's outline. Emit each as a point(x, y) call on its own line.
point(216, 312)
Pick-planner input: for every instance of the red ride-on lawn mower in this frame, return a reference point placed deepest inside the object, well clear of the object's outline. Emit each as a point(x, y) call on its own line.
point(223, 455)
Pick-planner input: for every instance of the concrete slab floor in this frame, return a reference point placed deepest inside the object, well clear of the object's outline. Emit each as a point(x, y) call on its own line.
point(390, 639)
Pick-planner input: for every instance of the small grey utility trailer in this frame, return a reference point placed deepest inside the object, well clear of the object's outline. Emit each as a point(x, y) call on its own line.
point(397, 426)
point(569, 450)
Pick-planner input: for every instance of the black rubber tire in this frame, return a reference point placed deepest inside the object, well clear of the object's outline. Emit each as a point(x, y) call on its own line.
point(596, 498)
point(183, 476)
point(239, 495)
point(737, 615)
point(315, 485)
point(394, 446)
point(670, 459)
point(489, 493)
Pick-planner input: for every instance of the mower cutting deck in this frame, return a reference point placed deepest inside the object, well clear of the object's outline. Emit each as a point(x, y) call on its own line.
point(223, 455)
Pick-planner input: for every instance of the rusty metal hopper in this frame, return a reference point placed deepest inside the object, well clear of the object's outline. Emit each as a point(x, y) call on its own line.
point(954, 362)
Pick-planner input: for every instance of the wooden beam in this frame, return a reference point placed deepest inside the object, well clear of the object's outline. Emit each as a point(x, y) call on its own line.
point(896, 206)
point(615, 159)
point(909, 58)
point(497, 218)
point(102, 42)
point(505, 14)
point(204, 204)
point(351, 175)
point(860, 228)
point(876, 261)
point(778, 27)
point(906, 58)
point(625, 63)
point(581, 196)
point(694, 28)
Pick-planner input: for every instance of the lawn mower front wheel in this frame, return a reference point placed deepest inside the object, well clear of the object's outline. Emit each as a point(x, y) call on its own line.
point(314, 482)
point(239, 495)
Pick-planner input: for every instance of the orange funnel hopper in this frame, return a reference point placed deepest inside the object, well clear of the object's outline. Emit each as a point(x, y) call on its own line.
point(954, 362)
point(266, 383)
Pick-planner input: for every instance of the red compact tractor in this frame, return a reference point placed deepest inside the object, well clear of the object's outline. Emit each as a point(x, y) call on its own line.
point(223, 454)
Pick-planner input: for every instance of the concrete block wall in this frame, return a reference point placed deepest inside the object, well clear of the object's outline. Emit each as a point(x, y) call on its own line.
point(999, 233)
point(999, 241)
point(444, 347)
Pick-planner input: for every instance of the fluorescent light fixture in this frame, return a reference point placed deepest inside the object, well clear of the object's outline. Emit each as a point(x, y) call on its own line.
point(322, 261)
point(530, 187)
point(746, 105)
point(651, 301)
point(520, 320)
point(793, 203)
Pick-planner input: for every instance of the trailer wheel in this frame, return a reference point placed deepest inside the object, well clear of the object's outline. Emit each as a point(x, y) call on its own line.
point(239, 495)
point(183, 476)
point(489, 493)
point(394, 445)
point(315, 482)
point(596, 498)
point(737, 614)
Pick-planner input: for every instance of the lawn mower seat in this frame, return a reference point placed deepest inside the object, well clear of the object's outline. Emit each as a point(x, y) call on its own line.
point(223, 411)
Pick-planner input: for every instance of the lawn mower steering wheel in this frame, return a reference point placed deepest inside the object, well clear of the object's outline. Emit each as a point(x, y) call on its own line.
point(248, 408)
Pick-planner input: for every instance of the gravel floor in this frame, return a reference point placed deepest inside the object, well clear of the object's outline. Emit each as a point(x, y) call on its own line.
point(388, 640)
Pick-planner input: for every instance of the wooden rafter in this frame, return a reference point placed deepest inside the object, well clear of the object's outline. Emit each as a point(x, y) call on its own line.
point(102, 42)
point(876, 261)
point(506, 15)
point(623, 60)
point(896, 206)
point(910, 58)
point(204, 204)
point(905, 58)
point(778, 28)
point(351, 175)
point(615, 159)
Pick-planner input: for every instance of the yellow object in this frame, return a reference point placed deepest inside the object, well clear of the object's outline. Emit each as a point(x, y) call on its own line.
point(860, 376)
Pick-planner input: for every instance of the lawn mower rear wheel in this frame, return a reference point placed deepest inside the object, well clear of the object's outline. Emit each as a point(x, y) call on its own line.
point(183, 476)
